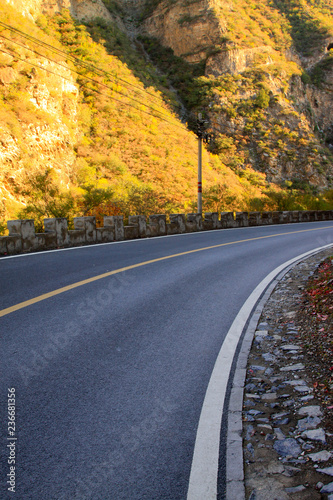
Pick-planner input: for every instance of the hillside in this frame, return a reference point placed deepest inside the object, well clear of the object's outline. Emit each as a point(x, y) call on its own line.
point(263, 72)
point(94, 101)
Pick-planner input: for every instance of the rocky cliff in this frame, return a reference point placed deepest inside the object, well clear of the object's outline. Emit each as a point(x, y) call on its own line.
point(88, 123)
point(191, 29)
point(237, 38)
point(43, 130)
point(260, 73)
point(46, 132)
point(82, 9)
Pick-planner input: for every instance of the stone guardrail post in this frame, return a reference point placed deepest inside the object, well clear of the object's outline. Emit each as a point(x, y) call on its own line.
point(3, 244)
point(313, 215)
point(14, 240)
point(227, 220)
point(140, 222)
point(117, 223)
point(59, 229)
point(277, 217)
point(327, 214)
point(211, 221)
point(242, 219)
point(294, 216)
point(287, 217)
point(254, 218)
point(157, 225)
point(266, 218)
point(304, 216)
point(177, 224)
point(86, 225)
point(193, 223)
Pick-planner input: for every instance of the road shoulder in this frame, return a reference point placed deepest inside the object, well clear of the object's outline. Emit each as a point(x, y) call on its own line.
point(273, 416)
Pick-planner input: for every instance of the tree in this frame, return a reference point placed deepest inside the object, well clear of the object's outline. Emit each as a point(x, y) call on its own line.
point(218, 198)
point(45, 199)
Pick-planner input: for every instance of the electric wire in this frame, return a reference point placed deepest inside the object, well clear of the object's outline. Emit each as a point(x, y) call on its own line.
point(83, 76)
point(74, 59)
point(93, 90)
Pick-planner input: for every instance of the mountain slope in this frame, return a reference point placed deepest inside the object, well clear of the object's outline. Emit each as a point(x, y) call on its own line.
point(80, 133)
point(91, 120)
point(265, 78)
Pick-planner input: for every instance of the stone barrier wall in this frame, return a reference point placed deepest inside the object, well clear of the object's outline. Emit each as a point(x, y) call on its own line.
point(23, 238)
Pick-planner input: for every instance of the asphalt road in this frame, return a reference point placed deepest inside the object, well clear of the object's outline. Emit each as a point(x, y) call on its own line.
point(110, 376)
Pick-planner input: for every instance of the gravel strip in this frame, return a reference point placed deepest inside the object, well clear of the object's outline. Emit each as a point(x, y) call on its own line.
point(287, 443)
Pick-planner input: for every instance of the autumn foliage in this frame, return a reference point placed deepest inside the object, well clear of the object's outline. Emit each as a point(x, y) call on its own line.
point(317, 329)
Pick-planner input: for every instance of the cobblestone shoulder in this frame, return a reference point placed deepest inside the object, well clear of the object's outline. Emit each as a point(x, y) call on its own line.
point(288, 453)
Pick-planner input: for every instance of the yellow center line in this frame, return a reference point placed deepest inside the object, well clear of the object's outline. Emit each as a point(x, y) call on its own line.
point(58, 291)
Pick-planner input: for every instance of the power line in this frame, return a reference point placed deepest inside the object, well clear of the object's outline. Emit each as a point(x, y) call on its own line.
point(91, 89)
point(83, 76)
point(74, 59)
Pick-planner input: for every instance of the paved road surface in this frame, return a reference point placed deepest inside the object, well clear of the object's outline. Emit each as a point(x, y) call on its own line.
point(110, 376)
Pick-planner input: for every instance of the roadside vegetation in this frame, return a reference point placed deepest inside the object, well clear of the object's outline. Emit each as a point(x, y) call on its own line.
point(316, 319)
point(128, 151)
point(132, 153)
point(256, 122)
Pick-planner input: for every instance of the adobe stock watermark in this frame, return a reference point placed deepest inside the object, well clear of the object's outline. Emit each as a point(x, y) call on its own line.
point(37, 360)
point(323, 241)
point(129, 442)
point(11, 440)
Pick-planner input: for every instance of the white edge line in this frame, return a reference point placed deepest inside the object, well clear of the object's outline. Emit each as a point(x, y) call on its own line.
point(137, 240)
point(204, 470)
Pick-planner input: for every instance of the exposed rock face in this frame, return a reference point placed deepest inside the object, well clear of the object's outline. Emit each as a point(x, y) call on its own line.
point(48, 144)
point(317, 103)
point(233, 60)
point(82, 9)
point(191, 29)
point(88, 9)
point(197, 31)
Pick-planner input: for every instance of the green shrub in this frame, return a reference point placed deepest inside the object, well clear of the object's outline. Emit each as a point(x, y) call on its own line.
point(306, 78)
point(262, 99)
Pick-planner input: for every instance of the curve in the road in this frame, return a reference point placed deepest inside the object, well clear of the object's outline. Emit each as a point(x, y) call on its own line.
point(112, 376)
point(58, 291)
point(204, 470)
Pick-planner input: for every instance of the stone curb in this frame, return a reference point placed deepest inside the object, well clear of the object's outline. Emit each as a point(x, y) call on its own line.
point(235, 487)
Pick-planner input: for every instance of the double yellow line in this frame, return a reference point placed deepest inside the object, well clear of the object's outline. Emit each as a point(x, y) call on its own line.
point(58, 291)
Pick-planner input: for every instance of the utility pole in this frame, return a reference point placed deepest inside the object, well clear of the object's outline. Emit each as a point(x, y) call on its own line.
point(200, 134)
point(203, 136)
